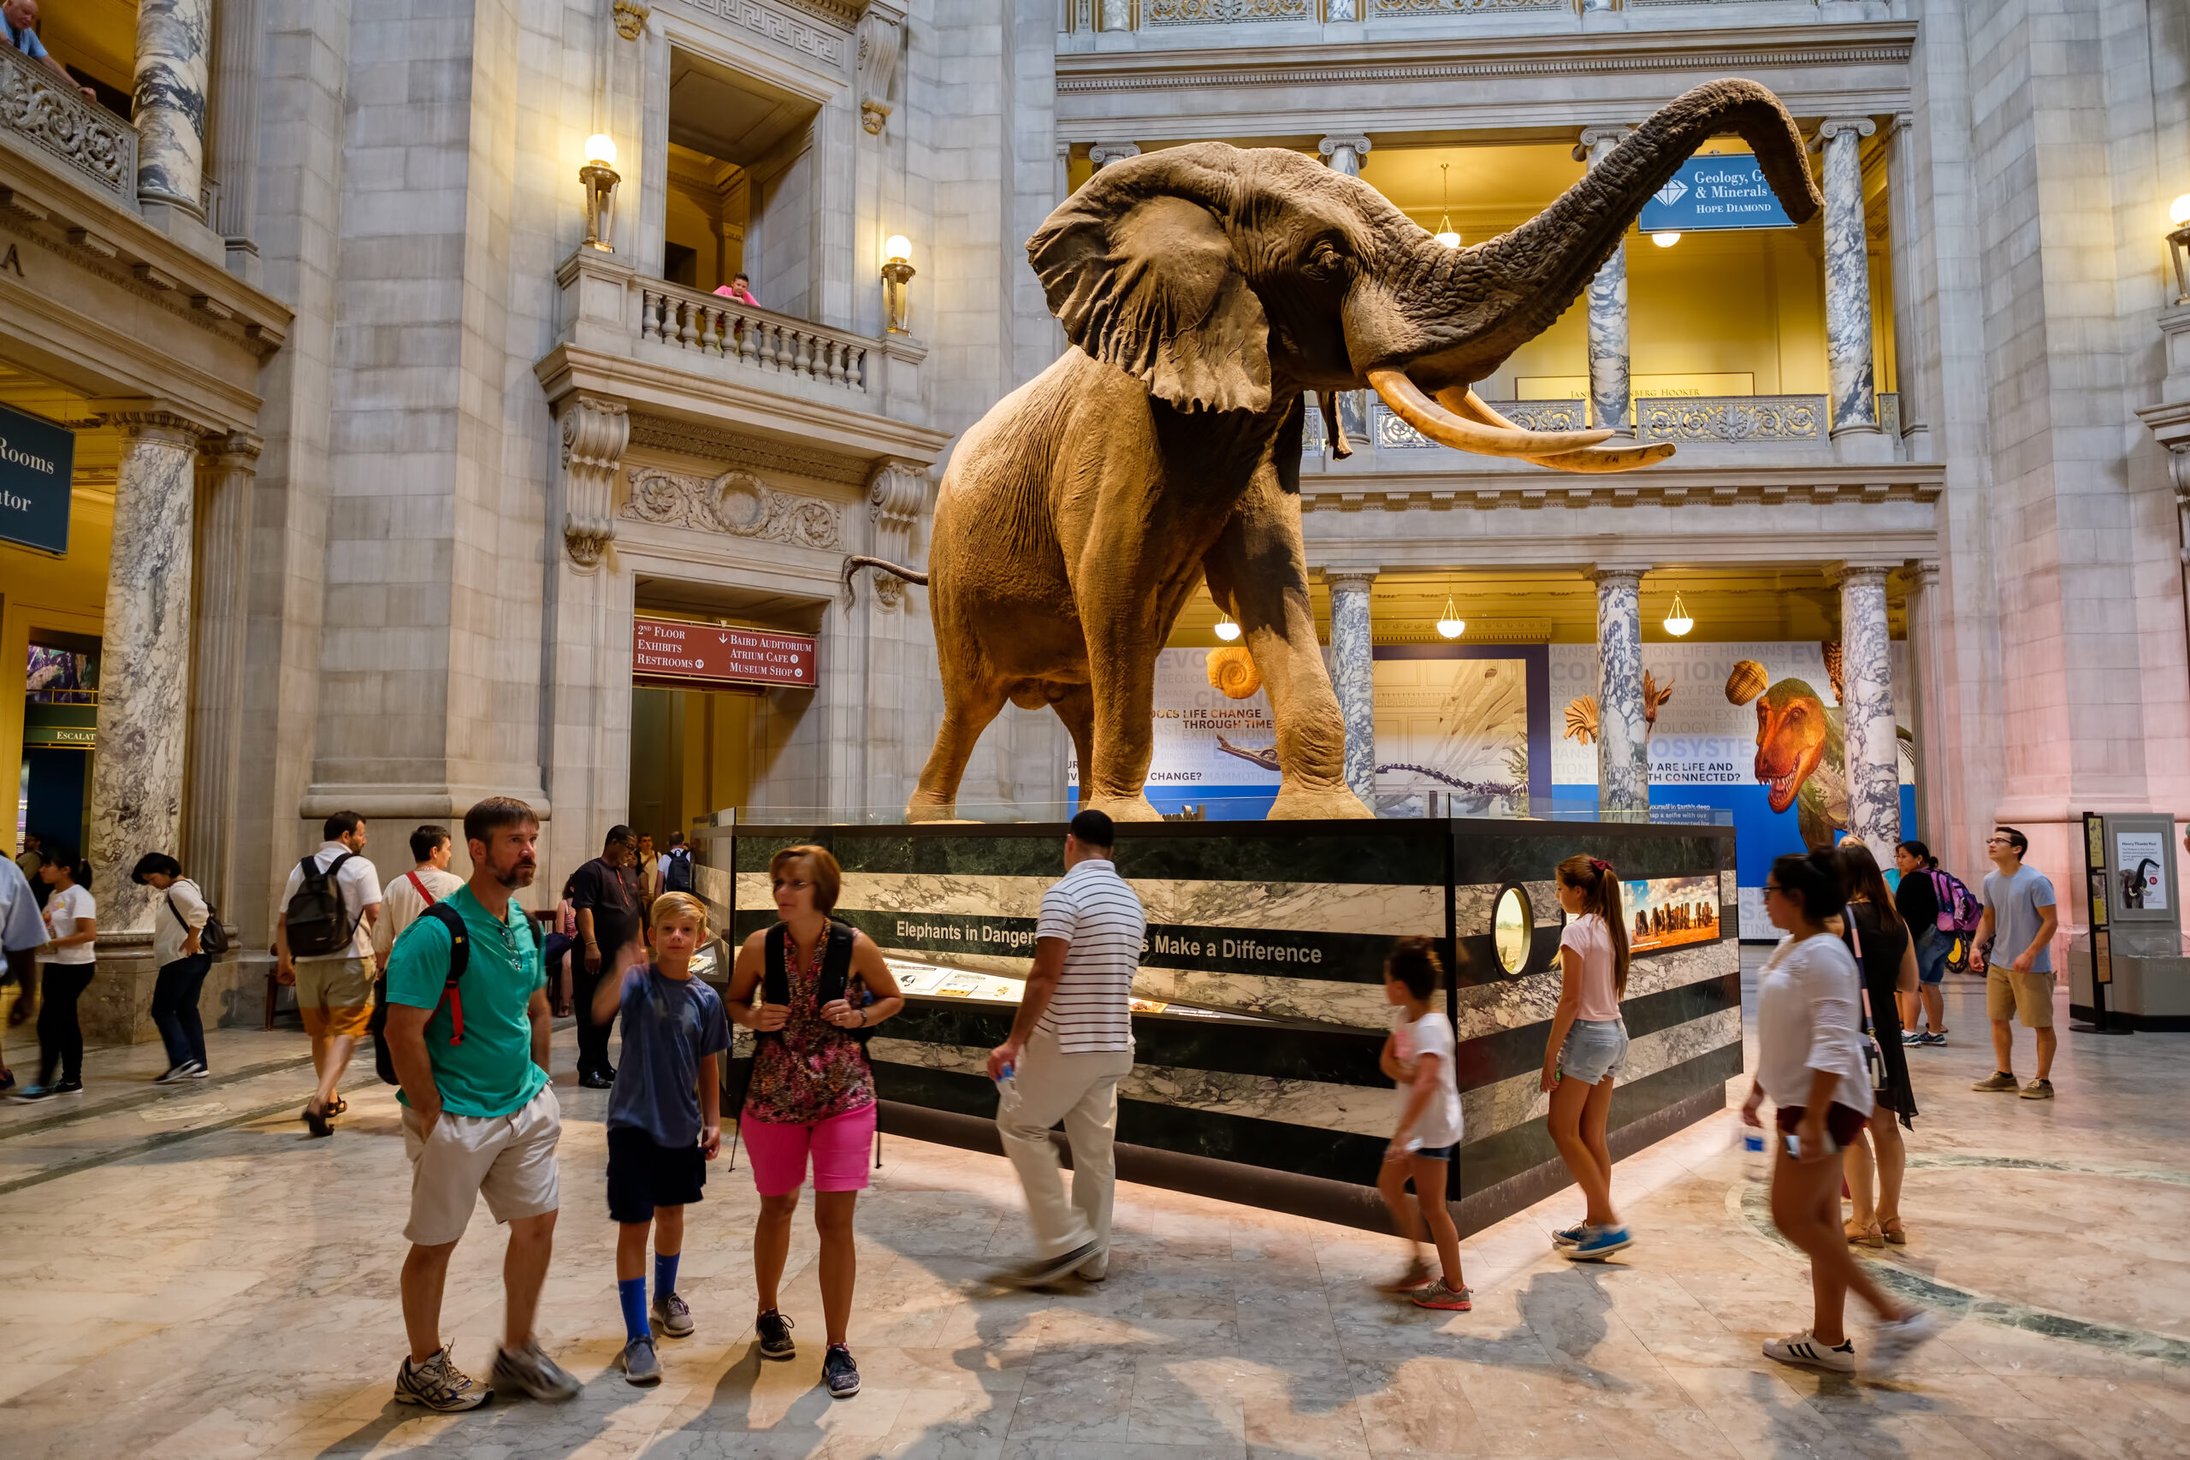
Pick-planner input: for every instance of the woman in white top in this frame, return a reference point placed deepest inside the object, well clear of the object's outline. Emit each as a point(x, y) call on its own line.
point(178, 924)
point(65, 968)
point(1810, 1061)
point(1588, 1044)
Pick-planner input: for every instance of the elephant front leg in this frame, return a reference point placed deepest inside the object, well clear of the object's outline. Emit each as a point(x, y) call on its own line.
point(1121, 700)
point(1259, 570)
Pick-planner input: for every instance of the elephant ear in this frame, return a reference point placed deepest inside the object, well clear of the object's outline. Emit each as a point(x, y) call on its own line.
point(1145, 281)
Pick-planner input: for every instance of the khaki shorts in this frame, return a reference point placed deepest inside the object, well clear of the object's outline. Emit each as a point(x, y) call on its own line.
point(508, 1159)
point(2028, 996)
point(335, 995)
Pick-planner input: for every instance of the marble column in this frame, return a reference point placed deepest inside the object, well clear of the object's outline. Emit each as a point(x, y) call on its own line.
point(174, 58)
point(1848, 279)
point(1102, 154)
point(1866, 710)
point(144, 662)
point(1608, 373)
point(227, 478)
point(1623, 748)
point(1353, 676)
point(1344, 154)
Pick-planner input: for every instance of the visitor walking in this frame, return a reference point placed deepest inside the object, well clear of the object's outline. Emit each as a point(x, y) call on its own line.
point(1418, 1057)
point(1917, 901)
point(69, 959)
point(822, 986)
point(22, 934)
point(664, 1121)
point(1810, 1061)
point(406, 899)
point(605, 895)
point(677, 865)
point(479, 1118)
point(649, 870)
point(2019, 921)
point(323, 943)
point(1071, 1042)
point(1587, 1047)
point(178, 952)
point(1887, 956)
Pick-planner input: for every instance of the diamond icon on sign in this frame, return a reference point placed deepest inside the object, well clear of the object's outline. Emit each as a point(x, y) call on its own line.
point(1672, 192)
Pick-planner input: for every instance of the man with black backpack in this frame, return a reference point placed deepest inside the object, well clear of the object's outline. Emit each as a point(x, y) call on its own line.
point(467, 1029)
point(323, 943)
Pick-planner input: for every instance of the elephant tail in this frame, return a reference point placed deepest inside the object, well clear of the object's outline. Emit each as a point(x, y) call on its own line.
point(854, 564)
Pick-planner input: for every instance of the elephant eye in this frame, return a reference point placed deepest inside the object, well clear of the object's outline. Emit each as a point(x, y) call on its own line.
point(1325, 260)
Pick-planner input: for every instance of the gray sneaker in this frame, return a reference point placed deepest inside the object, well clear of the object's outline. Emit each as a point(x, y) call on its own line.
point(1048, 1269)
point(2038, 1090)
point(438, 1384)
point(1998, 1080)
point(534, 1372)
point(671, 1316)
point(639, 1363)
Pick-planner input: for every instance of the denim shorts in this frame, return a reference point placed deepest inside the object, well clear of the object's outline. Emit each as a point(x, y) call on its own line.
point(1932, 948)
point(1594, 1048)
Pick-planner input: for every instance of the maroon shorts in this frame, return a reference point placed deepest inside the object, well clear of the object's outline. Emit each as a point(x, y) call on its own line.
point(1842, 1122)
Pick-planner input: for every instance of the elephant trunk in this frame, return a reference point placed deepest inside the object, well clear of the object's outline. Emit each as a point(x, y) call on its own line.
point(1529, 276)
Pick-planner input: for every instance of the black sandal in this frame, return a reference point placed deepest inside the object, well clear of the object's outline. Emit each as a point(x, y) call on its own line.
point(340, 1107)
point(317, 1120)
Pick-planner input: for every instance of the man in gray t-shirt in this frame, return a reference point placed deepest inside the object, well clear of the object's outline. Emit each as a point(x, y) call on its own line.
point(2014, 948)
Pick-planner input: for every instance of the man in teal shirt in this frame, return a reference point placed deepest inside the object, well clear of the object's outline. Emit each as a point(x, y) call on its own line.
point(479, 1118)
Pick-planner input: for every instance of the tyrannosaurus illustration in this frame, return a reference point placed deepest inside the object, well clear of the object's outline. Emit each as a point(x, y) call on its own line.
point(1802, 757)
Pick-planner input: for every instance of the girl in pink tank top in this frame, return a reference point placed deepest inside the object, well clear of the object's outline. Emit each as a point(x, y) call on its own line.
point(1588, 1044)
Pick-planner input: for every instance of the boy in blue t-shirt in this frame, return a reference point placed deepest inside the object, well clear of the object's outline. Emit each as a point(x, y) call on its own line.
point(664, 1119)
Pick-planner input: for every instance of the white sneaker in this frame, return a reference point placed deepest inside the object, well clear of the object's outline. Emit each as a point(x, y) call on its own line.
point(1803, 1349)
point(1892, 1343)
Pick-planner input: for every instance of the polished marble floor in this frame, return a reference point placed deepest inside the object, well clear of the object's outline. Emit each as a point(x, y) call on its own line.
point(183, 1273)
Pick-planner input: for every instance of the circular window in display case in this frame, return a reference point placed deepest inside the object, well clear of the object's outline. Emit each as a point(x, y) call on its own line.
point(1513, 929)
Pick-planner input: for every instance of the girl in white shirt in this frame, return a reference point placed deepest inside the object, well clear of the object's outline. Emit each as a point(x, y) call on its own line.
point(1588, 1044)
point(65, 968)
point(1810, 1061)
point(1419, 1057)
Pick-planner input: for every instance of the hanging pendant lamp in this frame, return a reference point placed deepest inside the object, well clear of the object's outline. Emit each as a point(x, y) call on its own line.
point(1445, 234)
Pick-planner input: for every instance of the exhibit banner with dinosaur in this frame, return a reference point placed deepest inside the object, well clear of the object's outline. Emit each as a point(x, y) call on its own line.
point(1748, 730)
point(1216, 739)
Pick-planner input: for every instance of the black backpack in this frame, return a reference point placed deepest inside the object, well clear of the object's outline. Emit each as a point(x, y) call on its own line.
point(677, 870)
point(775, 988)
point(318, 919)
point(459, 960)
point(212, 938)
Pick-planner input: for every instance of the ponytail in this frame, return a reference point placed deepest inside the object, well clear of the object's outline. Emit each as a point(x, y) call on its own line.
point(1600, 891)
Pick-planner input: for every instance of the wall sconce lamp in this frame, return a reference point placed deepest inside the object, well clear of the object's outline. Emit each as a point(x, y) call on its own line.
point(1677, 621)
point(2178, 243)
point(897, 272)
point(600, 179)
point(1227, 628)
point(1451, 626)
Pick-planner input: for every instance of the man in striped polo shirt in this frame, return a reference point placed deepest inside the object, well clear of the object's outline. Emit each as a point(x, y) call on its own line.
point(1070, 1045)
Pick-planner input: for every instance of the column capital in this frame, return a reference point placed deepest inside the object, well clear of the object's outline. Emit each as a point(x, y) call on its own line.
point(1359, 146)
point(1102, 154)
point(150, 420)
point(1598, 139)
point(1926, 573)
point(232, 449)
point(1846, 574)
point(1349, 580)
point(1903, 122)
point(1601, 573)
point(1833, 127)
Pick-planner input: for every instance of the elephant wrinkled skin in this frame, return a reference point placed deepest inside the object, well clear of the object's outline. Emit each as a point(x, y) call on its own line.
point(1206, 289)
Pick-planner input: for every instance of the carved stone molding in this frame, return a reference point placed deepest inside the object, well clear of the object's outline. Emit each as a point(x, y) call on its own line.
point(151, 423)
point(720, 444)
point(38, 105)
point(881, 43)
point(897, 493)
point(766, 20)
point(595, 431)
point(630, 16)
point(736, 503)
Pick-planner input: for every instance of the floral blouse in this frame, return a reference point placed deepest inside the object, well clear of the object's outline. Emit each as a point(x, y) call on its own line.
point(810, 1070)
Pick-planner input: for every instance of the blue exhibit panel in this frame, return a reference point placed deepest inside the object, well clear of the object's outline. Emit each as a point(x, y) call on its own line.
point(1760, 833)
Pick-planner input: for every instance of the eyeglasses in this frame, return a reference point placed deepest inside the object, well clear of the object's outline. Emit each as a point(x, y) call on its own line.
point(1999, 841)
point(1772, 887)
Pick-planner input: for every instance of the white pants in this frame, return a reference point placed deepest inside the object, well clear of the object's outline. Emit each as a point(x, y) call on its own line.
point(1082, 1091)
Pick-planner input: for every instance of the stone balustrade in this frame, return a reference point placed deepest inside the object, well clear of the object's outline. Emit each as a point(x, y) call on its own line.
point(1160, 15)
point(1731, 419)
point(45, 116)
point(761, 339)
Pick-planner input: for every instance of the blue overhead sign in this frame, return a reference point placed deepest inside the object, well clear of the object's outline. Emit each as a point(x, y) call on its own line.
point(37, 462)
point(1726, 190)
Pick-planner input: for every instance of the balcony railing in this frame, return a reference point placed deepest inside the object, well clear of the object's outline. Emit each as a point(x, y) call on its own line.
point(1761, 420)
point(39, 107)
point(1153, 15)
point(760, 339)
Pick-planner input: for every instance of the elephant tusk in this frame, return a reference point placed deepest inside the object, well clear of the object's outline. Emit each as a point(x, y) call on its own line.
point(1591, 459)
point(1607, 458)
point(1441, 425)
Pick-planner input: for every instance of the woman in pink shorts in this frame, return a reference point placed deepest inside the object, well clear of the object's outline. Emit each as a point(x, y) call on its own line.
point(822, 985)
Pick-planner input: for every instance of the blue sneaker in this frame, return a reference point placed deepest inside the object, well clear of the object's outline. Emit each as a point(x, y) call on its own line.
point(1570, 1236)
point(1598, 1243)
point(1910, 1038)
point(1932, 1040)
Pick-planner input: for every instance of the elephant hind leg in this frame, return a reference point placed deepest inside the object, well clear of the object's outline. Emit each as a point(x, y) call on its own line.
point(1075, 705)
point(967, 710)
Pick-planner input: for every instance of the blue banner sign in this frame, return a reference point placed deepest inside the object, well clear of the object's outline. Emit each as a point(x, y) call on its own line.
point(1725, 190)
point(37, 462)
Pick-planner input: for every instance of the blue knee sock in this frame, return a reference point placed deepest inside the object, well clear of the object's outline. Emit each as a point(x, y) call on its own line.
point(631, 1293)
point(665, 1275)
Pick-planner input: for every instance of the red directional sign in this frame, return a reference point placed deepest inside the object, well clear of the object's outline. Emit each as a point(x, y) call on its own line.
point(670, 649)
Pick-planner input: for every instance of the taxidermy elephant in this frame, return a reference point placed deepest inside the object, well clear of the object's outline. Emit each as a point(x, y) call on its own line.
point(1207, 289)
